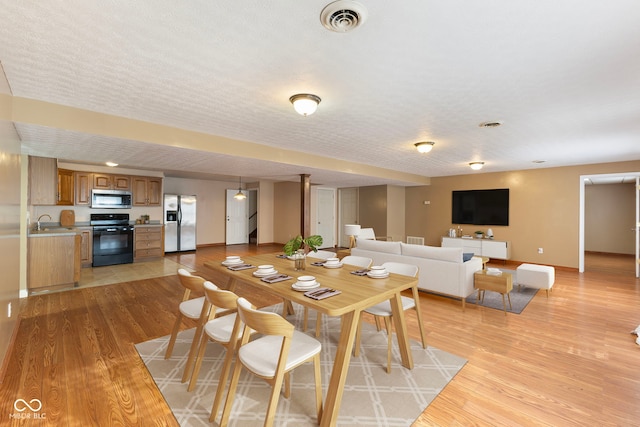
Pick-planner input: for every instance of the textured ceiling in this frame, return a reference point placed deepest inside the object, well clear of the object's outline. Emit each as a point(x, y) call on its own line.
point(563, 77)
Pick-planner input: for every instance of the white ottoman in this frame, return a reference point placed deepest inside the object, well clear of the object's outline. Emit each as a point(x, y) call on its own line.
point(536, 276)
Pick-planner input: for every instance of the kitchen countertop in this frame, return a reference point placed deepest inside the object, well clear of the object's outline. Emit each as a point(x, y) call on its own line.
point(53, 231)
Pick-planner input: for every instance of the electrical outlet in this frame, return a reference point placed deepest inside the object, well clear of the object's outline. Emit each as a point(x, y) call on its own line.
point(540, 250)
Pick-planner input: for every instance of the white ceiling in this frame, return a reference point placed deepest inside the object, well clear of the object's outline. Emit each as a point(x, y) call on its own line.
point(562, 76)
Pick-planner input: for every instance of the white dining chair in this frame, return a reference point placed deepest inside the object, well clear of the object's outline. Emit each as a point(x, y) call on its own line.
point(383, 310)
point(194, 308)
point(220, 330)
point(366, 234)
point(271, 357)
point(358, 261)
point(322, 254)
point(353, 260)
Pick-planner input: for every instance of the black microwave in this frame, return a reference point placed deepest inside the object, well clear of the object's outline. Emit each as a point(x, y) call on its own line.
point(110, 199)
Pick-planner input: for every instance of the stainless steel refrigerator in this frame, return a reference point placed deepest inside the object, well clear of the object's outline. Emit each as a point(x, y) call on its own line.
point(179, 223)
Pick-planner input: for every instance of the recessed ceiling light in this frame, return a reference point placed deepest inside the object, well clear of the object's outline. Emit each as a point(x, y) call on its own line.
point(476, 165)
point(493, 124)
point(111, 164)
point(538, 161)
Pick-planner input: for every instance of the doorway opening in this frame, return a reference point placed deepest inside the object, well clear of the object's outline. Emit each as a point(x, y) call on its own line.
point(610, 221)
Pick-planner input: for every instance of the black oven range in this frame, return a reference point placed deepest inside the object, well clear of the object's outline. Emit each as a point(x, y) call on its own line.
point(112, 239)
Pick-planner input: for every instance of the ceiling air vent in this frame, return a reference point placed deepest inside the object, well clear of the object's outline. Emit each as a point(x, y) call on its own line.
point(490, 124)
point(343, 15)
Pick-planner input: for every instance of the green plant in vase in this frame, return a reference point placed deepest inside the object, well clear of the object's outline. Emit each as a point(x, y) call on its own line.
point(298, 246)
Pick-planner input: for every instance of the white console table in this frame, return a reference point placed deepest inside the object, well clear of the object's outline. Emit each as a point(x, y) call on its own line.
point(482, 247)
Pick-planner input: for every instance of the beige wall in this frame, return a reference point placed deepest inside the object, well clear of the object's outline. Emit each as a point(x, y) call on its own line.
point(396, 213)
point(265, 212)
point(544, 209)
point(382, 207)
point(372, 208)
point(286, 211)
point(10, 246)
point(609, 218)
point(211, 207)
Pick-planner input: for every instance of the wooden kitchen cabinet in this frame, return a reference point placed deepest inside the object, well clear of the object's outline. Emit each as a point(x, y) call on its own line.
point(86, 246)
point(147, 191)
point(149, 242)
point(111, 182)
point(83, 184)
point(66, 188)
point(43, 181)
point(53, 261)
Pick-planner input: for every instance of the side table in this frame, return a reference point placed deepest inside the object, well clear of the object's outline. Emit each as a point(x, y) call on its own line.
point(502, 283)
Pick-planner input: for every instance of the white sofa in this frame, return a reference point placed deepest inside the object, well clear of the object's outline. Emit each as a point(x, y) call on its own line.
point(442, 270)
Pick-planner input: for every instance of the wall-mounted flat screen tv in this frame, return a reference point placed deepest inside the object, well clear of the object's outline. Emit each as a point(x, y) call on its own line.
point(480, 207)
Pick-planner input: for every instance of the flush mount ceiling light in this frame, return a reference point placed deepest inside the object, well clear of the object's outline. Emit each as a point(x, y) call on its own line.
point(111, 164)
point(240, 195)
point(343, 15)
point(476, 166)
point(424, 147)
point(305, 103)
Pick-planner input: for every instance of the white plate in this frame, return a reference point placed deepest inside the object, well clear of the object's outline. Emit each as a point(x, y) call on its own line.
point(378, 276)
point(229, 263)
point(296, 287)
point(338, 265)
point(265, 274)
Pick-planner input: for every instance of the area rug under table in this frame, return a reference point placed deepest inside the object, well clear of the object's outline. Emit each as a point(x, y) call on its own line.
point(371, 397)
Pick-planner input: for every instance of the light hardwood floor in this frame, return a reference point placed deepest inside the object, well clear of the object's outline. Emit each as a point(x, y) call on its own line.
point(566, 360)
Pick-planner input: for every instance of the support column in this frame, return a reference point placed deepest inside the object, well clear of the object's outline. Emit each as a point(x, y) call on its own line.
point(305, 205)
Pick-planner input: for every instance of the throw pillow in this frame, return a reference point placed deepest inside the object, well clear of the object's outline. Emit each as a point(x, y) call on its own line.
point(467, 256)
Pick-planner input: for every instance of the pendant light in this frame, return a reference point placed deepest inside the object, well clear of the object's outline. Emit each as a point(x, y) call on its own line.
point(240, 195)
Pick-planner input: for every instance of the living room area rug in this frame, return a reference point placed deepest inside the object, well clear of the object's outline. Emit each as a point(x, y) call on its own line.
point(520, 296)
point(371, 396)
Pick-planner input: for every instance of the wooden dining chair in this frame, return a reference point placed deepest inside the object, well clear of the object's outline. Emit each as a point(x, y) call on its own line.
point(194, 308)
point(220, 330)
point(383, 310)
point(354, 260)
point(271, 357)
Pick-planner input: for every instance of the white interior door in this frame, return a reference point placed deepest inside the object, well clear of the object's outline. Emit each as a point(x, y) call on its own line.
point(237, 221)
point(326, 217)
point(348, 212)
point(637, 226)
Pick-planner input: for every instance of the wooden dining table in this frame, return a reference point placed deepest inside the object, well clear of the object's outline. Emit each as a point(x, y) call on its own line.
point(357, 294)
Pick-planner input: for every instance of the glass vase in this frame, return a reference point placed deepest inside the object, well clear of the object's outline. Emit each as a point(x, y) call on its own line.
point(299, 260)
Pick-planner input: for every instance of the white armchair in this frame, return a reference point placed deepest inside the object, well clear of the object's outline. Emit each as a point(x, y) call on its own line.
point(366, 234)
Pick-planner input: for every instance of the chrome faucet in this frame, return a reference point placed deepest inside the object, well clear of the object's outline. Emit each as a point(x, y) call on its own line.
point(38, 228)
